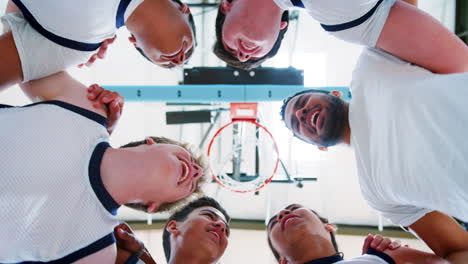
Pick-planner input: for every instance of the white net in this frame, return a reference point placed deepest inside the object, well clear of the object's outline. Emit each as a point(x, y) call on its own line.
point(243, 156)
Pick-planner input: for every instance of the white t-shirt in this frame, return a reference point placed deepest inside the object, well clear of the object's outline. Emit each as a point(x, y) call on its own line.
point(371, 258)
point(61, 37)
point(409, 132)
point(357, 21)
point(85, 21)
point(54, 204)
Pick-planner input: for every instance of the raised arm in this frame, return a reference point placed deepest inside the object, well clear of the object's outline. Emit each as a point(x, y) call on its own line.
point(415, 36)
point(444, 236)
point(10, 64)
point(60, 86)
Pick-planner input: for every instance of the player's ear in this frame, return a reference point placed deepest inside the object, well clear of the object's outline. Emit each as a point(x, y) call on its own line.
point(283, 25)
point(152, 207)
point(225, 7)
point(150, 141)
point(323, 148)
point(337, 93)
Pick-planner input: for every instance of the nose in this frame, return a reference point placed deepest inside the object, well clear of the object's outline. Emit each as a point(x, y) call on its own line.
point(220, 225)
point(300, 114)
point(242, 56)
point(179, 59)
point(282, 214)
point(197, 171)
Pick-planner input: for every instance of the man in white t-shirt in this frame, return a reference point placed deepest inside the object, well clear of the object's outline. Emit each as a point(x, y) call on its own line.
point(45, 37)
point(407, 127)
point(250, 32)
point(299, 235)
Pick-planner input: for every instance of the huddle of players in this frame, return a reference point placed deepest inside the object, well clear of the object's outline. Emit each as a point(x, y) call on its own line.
point(199, 232)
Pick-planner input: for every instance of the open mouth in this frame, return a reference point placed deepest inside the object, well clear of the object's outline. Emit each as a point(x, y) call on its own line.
point(287, 219)
point(247, 47)
point(313, 119)
point(185, 172)
point(216, 235)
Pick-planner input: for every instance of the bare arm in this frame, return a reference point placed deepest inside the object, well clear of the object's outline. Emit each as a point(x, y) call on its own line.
point(60, 86)
point(444, 236)
point(404, 255)
point(10, 64)
point(415, 36)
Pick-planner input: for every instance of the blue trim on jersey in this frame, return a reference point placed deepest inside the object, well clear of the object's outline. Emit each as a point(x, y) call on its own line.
point(298, 3)
point(95, 179)
point(381, 255)
point(72, 44)
point(79, 254)
point(326, 260)
point(351, 24)
point(120, 20)
point(132, 260)
point(73, 108)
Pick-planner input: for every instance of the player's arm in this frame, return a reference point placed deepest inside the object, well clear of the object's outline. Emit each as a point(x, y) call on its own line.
point(415, 36)
point(443, 235)
point(10, 64)
point(60, 86)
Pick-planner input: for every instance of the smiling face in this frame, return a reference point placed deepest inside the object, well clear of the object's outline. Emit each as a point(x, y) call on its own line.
point(297, 227)
point(317, 118)
point(244, 32)
point(202, 235)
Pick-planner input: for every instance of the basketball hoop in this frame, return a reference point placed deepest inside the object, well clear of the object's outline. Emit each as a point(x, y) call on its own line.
point(252, 158)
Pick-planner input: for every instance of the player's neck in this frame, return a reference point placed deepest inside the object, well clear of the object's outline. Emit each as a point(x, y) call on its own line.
point(121, 171)
point(302, 253)
point(181, 258)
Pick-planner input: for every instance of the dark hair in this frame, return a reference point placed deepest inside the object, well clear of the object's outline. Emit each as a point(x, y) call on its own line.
point(287, 100)
point(182, 215)
point(194, 30)
point(322, 219)
point(199, 159)
point(230, 59)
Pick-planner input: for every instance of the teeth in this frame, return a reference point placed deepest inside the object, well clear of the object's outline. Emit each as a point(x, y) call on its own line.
point(186, 170)
point(314, 119)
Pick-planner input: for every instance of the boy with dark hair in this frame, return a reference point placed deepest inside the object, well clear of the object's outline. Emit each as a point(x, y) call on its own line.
point(298, 235)
point(198, 233)
point(250, 29)
point(242, 60)
point(70, 37)
point(62, 180)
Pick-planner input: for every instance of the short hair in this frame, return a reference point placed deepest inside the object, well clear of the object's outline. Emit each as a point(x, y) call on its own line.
point(182, 215)
point(231, 60)
point(322, 219)
point(194, 30)
point(287, 100)
point(199, 159)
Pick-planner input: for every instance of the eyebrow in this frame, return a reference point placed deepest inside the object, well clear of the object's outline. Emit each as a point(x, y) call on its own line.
point(293, 120)
point(221, 216)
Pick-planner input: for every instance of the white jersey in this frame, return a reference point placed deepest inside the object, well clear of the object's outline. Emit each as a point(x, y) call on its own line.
point(80, 25)
point(357, 21)
point(372, 257)
point(408, 130)
point(54, 204)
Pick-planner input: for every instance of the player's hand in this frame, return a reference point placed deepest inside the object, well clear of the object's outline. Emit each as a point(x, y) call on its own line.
point(101, 53)
point(128, 241)
point(111, 101)
point(379, 243)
